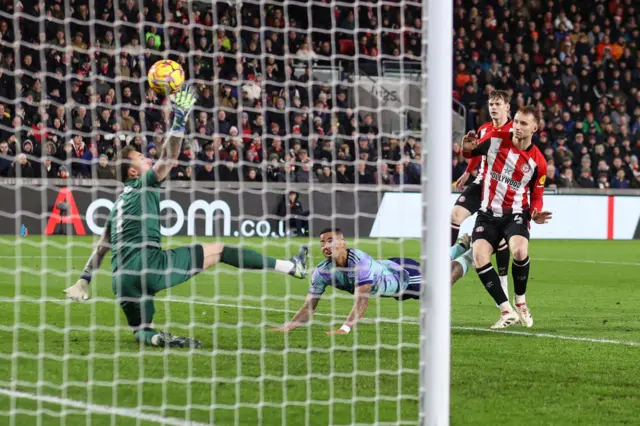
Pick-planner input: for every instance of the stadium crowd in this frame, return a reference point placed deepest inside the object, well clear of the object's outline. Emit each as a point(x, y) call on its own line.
point(260, 117)
point(577, 62)
point(72, 91)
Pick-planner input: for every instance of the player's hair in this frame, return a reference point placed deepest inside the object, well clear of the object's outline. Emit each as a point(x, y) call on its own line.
point(334, 230)
point(502, 95)
point(125, 162)
point(529, 110)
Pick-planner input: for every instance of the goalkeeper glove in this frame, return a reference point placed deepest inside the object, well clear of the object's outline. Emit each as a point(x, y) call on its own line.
point(182, 106)
point(78, 291)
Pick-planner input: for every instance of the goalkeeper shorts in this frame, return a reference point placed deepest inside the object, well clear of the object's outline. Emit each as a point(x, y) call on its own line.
point(144, 275)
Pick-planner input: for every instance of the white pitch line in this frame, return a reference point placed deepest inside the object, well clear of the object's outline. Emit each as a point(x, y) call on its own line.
point(405, 321)
point(288, 311)
point(100, 409)
point(550, 336)
point(595, 262)
point(455, 327)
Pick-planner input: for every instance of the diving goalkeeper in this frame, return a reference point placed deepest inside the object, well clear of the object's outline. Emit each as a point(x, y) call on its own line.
point(139, 266)
point(356, 272)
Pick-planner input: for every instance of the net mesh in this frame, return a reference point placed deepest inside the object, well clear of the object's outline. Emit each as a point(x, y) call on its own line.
point(320, 98)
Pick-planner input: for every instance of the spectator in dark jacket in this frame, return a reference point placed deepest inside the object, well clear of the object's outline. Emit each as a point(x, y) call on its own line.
point(228, 172)
point(253, 176)
point(205, 167)
point(206, 170)
point(21, 168)
point(326, 175)
point(6, 158)
point(49, 168)
point(567, 180)
point(304, 172)
point(341, 175)
point(291, 210)
point(103, 169)
point(275, 173)
point(620, 181)
point(603, 181)
point(89, 161)
point(400, 177)
point(586, 179)
point(363, 175)
point(384, 176)
point(551, 182)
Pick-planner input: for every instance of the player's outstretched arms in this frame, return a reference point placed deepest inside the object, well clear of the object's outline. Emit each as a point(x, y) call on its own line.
point(181, 107)
point(301, 317)
point(80, 290)
point(357, 312)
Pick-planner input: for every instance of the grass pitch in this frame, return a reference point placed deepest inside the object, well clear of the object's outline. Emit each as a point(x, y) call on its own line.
point(76, 363)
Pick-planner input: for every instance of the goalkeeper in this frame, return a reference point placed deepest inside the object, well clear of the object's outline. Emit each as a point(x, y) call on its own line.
point(356, 272)
point(139, 266)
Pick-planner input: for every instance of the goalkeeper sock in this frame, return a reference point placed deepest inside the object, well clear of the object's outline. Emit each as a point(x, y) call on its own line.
point(146, 336)
point(491, 282)
point(251, 259)
point(502, 260)
point(520, 273)
point(455, 230)
point(457, 250)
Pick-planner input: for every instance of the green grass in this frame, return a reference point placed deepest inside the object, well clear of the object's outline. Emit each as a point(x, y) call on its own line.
point(248, 376)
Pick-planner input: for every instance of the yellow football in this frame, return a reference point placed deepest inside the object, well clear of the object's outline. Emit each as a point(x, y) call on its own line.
point(166, 76)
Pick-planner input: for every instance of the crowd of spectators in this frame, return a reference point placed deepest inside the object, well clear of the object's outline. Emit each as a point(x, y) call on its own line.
point(73, 92)
point(73, 95)
point(577, 62)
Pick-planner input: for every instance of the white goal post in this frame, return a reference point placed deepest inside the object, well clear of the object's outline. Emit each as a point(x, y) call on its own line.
point(347, 103)
point(435, 313)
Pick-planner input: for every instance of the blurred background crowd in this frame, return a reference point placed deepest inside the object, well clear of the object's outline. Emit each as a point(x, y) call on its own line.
point(577, 62)
point(73, 92)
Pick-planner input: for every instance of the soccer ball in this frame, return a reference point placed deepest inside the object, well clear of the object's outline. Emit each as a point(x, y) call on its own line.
point(166, 77)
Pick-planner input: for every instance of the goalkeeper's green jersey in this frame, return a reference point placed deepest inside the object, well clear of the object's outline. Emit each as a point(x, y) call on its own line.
point(134, 220)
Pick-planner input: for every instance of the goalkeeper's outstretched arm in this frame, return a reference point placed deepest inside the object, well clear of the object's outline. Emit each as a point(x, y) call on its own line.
point(80, 290)
point(169, 155)
point(181, 107)
point(303, 315)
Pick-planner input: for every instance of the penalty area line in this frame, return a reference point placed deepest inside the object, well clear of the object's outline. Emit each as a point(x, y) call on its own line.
point(550, 336)
point(99, 409)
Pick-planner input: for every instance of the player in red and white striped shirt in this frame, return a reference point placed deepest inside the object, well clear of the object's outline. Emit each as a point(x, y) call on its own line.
point(468, 203)
point(512, 190)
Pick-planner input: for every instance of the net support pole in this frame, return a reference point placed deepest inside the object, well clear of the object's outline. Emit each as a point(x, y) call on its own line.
point(435, 311)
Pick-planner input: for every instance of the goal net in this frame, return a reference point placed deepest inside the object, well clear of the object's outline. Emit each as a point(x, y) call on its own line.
point(310, 116)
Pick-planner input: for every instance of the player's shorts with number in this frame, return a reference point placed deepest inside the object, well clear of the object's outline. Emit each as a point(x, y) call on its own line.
point(494, 228)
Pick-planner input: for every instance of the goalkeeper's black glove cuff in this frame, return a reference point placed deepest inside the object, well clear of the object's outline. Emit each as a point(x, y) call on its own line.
point(86, 276)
